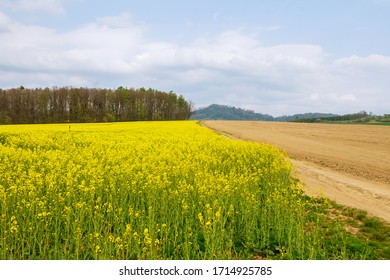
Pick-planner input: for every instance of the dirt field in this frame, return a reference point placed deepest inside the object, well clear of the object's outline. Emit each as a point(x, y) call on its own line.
point(347, 163)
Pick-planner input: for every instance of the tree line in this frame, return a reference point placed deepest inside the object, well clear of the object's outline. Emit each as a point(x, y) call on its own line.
point(362, 115)
point(66, 104)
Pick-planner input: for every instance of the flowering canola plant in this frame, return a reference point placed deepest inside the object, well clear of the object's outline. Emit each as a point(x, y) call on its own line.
point(144, 190)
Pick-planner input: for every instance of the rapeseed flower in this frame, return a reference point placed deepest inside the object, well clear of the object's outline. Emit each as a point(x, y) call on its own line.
point(157, 190)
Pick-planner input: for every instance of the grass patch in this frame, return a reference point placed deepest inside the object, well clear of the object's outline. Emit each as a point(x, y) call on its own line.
point(346, 231)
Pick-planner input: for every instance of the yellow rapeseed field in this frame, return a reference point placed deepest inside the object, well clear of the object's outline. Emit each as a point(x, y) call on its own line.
point(144, 190)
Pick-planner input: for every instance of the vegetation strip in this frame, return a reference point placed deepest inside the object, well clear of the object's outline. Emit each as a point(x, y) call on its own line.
point(60, 105)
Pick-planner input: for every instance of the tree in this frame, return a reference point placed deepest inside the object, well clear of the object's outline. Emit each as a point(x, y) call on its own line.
point(21, 105)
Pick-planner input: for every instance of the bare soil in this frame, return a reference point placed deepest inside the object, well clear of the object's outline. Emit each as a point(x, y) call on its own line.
point(347, 163)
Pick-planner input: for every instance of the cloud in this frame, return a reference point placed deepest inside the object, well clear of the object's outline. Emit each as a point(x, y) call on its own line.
point(94, 47)
point(366, 72)
point(51, 6)
point(232, 52)
point(373, 60)
point(4, 23)
point(232, 68)
point(123, 20)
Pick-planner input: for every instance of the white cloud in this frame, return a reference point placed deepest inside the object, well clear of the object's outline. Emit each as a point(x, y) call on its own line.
point(365, 72)
point(314, 97)
point(234, 68)
point(123, 20)
point(4, 23)
point(233, 52)
point(51, 6)
point(373, 60)
point(345, 97)
point(95, 47)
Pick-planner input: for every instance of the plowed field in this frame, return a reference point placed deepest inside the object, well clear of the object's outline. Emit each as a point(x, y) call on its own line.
point(347, 163)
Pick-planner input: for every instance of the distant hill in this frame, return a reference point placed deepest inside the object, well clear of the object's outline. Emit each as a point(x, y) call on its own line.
point(224, 112)
point(357, 118)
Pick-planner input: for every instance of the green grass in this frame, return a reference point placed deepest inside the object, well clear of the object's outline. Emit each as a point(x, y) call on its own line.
point(379, 123)
point(334, 232)
point(363, 122)
point(347, 232)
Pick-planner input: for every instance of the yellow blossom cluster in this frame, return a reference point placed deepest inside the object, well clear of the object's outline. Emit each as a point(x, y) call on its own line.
point(143, 190)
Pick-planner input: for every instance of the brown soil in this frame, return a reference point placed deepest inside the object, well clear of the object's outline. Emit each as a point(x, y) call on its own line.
point(347, 163)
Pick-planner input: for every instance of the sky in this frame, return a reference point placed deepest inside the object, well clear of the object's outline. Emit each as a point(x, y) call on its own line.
point(271, 56)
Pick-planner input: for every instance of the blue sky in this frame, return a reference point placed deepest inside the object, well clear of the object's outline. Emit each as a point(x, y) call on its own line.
point(276, 57)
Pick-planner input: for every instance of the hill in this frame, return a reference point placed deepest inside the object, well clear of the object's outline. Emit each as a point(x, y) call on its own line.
point(224, 112)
